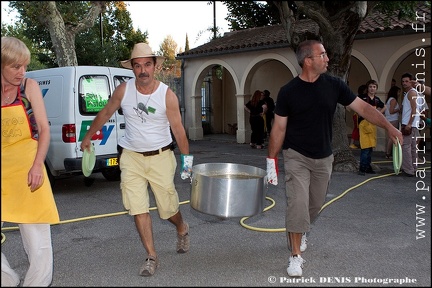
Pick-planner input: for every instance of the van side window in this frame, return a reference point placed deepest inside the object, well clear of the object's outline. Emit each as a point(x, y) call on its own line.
point(118, 79)
point(94, 93)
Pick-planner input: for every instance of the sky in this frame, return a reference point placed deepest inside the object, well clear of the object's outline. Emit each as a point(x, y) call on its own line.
point(175, 18)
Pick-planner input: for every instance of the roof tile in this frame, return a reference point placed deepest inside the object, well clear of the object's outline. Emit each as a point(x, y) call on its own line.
point(268, 37)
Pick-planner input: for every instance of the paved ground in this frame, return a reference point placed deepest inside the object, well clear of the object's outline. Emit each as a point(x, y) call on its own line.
point(375, 230)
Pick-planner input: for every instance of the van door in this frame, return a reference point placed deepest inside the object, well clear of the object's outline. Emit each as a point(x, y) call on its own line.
point(94, 92)
point(118, 76)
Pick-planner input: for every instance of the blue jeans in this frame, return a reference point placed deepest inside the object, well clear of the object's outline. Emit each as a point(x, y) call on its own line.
point(365, 159)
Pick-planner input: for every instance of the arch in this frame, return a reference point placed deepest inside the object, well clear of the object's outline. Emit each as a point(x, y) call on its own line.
point(202, 68)
point(367, 63)
point(267, 56)
point(397, 57)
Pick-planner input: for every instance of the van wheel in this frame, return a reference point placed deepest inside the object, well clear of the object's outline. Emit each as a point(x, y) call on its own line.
point(111, 174)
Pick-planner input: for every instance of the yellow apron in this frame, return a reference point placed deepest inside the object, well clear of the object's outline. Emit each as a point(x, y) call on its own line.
point(368, 132)
point(18, 151)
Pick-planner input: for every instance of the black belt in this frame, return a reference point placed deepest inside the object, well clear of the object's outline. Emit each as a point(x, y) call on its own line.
point(156, 152)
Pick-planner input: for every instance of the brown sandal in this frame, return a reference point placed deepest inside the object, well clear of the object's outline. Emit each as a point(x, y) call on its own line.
point(149, 266)
point(183, 241)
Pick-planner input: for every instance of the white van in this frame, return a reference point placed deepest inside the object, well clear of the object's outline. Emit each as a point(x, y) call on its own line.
point(73, 96)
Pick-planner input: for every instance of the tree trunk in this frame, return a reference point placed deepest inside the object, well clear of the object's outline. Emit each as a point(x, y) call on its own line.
point(339, 41)
point(63, 35)
point(338, 24)
point(344, 160)
point(63, 41)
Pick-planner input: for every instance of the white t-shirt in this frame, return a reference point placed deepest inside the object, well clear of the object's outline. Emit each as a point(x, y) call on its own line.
point(406, 111)
point(394, 116)
point(421, 103)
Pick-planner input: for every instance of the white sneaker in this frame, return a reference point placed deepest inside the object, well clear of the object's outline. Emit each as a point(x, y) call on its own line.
point(295, 266)
point(303, 243)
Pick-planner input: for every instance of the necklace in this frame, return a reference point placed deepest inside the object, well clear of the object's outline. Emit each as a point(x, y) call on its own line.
point(141, 107)
point(7, 100)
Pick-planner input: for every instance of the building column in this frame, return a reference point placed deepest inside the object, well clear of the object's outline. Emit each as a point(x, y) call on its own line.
point(243, 127)
point(196, 131)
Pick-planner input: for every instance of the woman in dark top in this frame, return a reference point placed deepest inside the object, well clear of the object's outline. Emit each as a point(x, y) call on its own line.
point(256, 108)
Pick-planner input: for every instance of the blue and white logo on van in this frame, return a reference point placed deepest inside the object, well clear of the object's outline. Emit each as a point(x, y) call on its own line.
point(102, 134)
point(44, 91)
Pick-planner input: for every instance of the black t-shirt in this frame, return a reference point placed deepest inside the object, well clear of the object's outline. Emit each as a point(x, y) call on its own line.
point(310, 108)
point(270, 104)
point(375, 101)
point(256, 110)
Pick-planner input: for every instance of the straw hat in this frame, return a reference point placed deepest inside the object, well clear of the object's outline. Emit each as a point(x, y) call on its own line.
point(141, 50)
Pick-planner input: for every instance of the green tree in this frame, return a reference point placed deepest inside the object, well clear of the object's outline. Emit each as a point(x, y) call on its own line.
point(213, 30)
point(338, 23)
point(249, 14)
point(17, 31)
point(168, 49)
point(112, 43)
point(62, 21)
point(67, 29)
point(171, 68)
point(187, 43)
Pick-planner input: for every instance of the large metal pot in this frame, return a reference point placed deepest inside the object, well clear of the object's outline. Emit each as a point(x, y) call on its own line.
point(228, 190)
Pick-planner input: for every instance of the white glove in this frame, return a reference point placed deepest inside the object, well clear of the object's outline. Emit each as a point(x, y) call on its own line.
point(272, 171)
point(186, 166)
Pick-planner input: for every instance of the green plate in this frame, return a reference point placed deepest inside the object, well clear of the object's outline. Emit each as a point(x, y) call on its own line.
point(88, 161)
point(397, 157)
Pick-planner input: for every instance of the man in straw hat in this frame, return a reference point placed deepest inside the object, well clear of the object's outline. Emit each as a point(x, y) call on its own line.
point(151, 110)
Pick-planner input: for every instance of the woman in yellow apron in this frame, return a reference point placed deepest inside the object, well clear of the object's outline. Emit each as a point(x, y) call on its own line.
point(26, 195)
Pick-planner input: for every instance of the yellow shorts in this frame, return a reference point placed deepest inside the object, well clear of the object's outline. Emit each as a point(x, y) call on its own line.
point(137, 171)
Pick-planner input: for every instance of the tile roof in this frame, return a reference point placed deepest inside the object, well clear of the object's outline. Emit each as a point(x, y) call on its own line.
point(377, 22)
point(270, 37)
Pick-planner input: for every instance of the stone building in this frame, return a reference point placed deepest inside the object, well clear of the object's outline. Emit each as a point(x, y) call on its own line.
point(220, 76)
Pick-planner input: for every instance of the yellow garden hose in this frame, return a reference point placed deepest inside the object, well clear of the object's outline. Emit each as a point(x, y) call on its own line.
point(242, 221)
point(78, 219)
point(322, 208)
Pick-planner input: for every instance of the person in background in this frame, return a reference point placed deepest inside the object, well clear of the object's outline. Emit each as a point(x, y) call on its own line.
point(355, 135)
point(424, 90)
point(146, 154)
point(256, 108)
point(368, 131)
point(409, 125)
point(270, 111)
point(423, 109)
point(26, 195)
point(362, 90)
point(421, 87)
point(393, 83)
point(392, 113)
point(308, 161)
